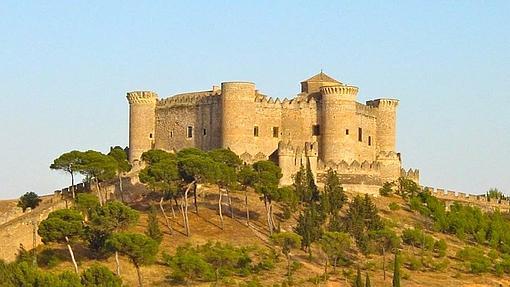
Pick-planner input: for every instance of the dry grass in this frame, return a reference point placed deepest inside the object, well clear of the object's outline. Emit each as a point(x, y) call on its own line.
point(205, 226)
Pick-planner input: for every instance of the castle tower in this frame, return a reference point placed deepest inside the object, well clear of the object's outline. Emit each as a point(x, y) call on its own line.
point(338, 123)
point(237, 121)
point(386, 137)
point(142, 118)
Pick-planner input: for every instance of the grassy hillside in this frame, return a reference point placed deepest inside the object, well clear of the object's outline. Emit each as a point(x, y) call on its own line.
point(419, 268)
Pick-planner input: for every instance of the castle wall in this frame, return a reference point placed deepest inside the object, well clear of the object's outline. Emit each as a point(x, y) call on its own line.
point(173, 120)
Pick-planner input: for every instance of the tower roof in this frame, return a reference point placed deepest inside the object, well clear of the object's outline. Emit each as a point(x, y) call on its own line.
point(321, 77)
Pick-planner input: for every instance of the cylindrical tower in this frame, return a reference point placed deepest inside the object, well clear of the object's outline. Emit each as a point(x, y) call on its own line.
point(386, 123)
point(142, 118)
point(338, 123)
point(237, 121)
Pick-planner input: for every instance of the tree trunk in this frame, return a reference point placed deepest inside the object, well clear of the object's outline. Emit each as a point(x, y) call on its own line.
point(270, 205)
point(172, 206)
point(72, 185)
point(183, 216)
point(220, 199)
point(384, 263)
point(247, 208)
point(99, 196)
point(326, 266)
point(34, 242)
point(121, 190)
point(117, 263)
point(288, 265)
point(195, 197)
point(268, 216)
point(164, 215)
point(72, 256)
point(334, 264)
point(139, 273)
point(230, 204)
point(188, 233)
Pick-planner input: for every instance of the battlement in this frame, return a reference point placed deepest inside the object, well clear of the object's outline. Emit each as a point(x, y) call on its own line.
point(383, 103)
point(480, 200)
point(412, 174)
point(191, 99)
point(365, 110)
point(354, 167)
point(142, 97)
point(276, 103)
point(339, 90)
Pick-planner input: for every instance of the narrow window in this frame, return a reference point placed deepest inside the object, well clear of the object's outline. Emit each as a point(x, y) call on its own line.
point(172, 134)
point(190, 132)
point(205, 132)
point(255, 131)
point(369, 140)
point(360, 134)
point(316, 130)
point(275, 132)
point(347, 132)
point(150, 135)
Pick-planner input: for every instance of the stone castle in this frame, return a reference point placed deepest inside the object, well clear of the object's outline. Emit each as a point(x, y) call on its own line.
point(323, 126)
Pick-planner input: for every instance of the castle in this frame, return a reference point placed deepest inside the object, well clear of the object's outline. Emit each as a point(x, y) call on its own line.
point(323, 127)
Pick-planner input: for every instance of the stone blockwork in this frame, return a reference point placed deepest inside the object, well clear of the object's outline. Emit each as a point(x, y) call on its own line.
point(323, 126)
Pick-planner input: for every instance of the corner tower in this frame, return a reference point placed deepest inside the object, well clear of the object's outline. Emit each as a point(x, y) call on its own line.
point(338, 123)
point(142, 118)
point(386, 135)
point(238, 115)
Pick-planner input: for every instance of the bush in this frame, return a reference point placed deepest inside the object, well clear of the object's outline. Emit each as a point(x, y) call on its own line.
point(416, 237)
point(48, 258)
point(394, 206)
point(440, 247)
point(99, 275)
point(439, 265)
point(475, 259)
point(213, 261)
point(386, 189)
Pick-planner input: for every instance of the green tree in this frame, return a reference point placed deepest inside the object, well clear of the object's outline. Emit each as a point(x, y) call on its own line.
point(286, 241)
point(62, 226)
point(153, 230)
point(99, 275)
point(195, 166)
point(358, 282)
point(31, 200)
point(140, 249)
point(387, 188)
point(247, 178)
point(98, 167)
point(228, 165)
point(396, 271)
point(309, 226)
point(407, 187)
point(367, 281)
point(114, 216)
point(161, 174)
point(123, 165)
point(334, 245)
point(86, 203)
point(333, 193)
point(267, 179)
point(361, 218)
point(69, 162)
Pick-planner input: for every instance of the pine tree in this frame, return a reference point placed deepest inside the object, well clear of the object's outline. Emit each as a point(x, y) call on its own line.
point(367, 281)
point(358, 282)
point(153, 230)
point(309, 226)
point(396, 272)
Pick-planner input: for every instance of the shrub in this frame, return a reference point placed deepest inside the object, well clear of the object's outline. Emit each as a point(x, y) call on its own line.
point(475, 259)
point(439, 265)
point(394, 206)
point(99, 275)
point(212, 260)
point(48, 258)
point(386, 189)
point(440, 247)
point(416, 237)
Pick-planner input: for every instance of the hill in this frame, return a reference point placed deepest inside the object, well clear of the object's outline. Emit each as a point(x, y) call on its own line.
point(419, 268)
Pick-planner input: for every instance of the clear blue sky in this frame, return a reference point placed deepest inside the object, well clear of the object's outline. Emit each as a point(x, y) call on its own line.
point(66, 66)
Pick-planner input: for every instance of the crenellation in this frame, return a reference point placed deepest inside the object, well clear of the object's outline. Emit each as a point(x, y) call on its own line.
point(323, 126)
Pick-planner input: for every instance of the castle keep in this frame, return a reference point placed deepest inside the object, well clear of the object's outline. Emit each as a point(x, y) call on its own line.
point(323, 126)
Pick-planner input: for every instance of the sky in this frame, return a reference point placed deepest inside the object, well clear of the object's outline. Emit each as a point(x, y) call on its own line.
point(65, 68)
